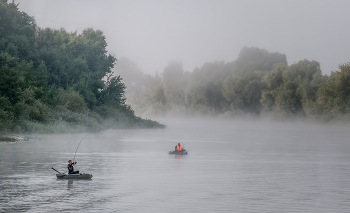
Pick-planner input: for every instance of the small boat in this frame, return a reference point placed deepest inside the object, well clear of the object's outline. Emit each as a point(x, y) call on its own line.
point(74, 176)
point(182, 152)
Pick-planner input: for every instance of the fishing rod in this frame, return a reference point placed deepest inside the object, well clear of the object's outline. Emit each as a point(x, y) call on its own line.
point(78, 147)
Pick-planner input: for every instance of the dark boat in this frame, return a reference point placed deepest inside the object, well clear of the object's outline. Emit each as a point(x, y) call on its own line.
point(74, 176)
point(182, 152)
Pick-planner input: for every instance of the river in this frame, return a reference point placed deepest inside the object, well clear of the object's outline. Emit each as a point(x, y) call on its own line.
point(232, 166)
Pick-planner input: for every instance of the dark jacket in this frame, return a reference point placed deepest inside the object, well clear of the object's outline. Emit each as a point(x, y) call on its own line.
point(70, 169)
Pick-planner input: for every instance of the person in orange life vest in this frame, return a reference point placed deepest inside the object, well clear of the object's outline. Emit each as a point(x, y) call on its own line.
point(178, 147)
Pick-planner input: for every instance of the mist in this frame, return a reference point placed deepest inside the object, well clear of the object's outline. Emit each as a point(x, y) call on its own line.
point(154, 33)
point(258, 83)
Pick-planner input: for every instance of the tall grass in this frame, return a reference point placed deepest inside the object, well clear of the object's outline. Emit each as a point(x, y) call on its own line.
point(73, 122)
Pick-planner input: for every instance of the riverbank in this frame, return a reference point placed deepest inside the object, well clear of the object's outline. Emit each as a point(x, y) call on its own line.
point(12, 138)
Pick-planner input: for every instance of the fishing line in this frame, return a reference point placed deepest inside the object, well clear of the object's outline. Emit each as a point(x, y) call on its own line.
point(78, 146)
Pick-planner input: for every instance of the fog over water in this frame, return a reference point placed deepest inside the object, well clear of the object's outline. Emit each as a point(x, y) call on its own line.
point(232, 166)
point(153, 32)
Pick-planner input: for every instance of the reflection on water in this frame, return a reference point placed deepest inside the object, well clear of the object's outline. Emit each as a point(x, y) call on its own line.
point(178, 156)
point(231, 167)
point(70, 184)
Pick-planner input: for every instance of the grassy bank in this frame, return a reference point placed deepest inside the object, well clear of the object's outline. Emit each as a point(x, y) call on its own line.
point(73, 122)
point(12, 138)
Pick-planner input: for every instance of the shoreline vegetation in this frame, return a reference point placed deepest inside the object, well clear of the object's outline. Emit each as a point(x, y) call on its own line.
point(257, 84)
point(12, 138)
point(55, 81)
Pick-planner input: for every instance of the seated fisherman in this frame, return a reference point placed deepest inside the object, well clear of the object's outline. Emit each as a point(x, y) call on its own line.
point(178, 147)
point(70, 167)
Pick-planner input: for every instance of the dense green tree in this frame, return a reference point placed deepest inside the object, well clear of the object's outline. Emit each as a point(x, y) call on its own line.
point(204, 91)
point(30, 108)
point(242, 88)
point(113, 92)
point(292, 90)
point(79, 61)
point(244, 91)
point(272, 81)
point(334, 93)
point(69, 100)
point(253, 58)
point(6, 113)
point(17, 33)
point(48, 75)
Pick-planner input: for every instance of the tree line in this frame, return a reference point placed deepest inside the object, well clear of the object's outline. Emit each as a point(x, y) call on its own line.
point(54, 79)
point(258, 82)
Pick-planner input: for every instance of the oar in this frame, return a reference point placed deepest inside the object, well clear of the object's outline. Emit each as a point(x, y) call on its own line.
point(56, 170)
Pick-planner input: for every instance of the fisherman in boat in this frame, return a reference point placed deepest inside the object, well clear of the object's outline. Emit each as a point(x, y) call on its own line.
point(178, 147)
point(70, 167)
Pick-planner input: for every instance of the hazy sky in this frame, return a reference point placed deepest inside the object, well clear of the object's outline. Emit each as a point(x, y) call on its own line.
point(154, 32)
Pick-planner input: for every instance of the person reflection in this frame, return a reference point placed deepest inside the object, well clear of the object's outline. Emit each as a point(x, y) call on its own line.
point(178, 156)
point(70, 184)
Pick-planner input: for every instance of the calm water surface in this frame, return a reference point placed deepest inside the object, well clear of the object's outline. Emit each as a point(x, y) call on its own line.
point(232, 166)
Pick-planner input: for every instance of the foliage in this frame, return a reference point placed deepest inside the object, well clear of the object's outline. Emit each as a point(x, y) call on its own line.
point(7, 139)
point(334, 93)
point(6, 113)
point(244, 92)
point(204, 90)
point(30, 108)
point(69, 100)
point(257, 82)
point(49, 76)
point(292, 90)
point(113, 92)
point(53, 80)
